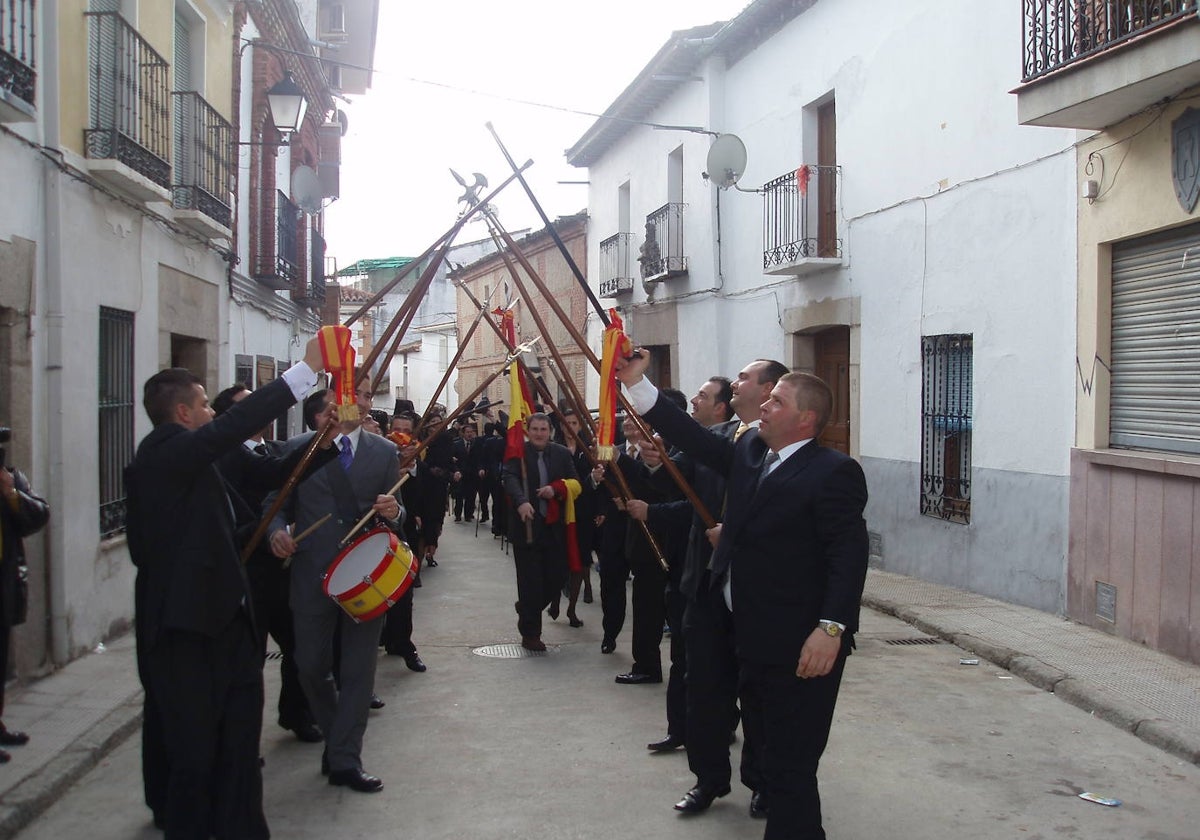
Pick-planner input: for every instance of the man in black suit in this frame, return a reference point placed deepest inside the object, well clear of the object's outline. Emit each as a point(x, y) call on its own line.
point(251, 471)
point(398, 622)
point(791, 562)
point(539, 542)
point(200, 656)
point(466, 463)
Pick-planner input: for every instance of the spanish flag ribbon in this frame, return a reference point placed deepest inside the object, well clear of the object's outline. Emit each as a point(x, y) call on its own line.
point(616, 344)
point(568, 489)
point(338, 357)
point(520, 398)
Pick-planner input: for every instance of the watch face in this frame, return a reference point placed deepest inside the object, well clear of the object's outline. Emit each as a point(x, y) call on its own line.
point(833, 630)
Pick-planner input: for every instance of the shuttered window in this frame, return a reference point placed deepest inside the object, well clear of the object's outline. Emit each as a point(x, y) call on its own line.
point(1155, 399)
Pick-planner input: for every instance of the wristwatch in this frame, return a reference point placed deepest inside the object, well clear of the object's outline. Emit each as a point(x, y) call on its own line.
point(831, 628)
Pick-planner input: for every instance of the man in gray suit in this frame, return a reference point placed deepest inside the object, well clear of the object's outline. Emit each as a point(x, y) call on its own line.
point(367, 467)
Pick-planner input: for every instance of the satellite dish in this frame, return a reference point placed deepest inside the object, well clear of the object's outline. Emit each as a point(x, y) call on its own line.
point(726, 160)
point(306, 190)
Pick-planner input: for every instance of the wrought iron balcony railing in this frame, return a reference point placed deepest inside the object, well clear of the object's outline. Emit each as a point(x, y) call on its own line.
point(276, 257)
point(310, 291)
point(203, 158)
point(1059, 32)
point(800, 216)
point(129, 94)
point(616, 265)
point(662, 252)
point(18, 40)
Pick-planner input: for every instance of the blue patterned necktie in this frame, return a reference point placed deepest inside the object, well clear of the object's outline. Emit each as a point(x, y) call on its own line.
point(345, 453)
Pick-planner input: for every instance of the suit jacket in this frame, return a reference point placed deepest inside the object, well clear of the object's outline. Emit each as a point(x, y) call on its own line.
point(180, 521)
point(347, 494)
point(559, 465)
point(796, 546)
point(28, 516)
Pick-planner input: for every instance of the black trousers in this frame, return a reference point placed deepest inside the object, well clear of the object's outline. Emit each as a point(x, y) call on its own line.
point(398, 626)
point(209, 696)
point(790, 717)
point(464, 496)
point(484, 491)
point(614, 574)
point(712, 691)
point(270, 584)
point(649, 615)
point(677, 679)
point(541, 573)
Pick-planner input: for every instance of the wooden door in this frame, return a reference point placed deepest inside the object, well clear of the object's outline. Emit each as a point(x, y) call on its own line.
point(833, 366)
point(827, 181)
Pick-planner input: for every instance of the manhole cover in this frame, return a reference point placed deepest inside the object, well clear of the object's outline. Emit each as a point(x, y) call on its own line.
point(507, 651)
point(924, 640)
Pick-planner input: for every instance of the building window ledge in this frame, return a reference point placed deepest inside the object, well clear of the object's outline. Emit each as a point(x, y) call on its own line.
point(1153, 462)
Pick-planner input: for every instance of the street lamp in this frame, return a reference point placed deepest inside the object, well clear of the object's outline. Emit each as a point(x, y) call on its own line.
point(287, 103)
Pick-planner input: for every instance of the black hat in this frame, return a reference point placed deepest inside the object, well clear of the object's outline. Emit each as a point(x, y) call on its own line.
point(404, 407)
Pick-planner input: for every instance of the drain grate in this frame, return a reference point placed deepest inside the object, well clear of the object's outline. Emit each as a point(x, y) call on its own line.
point(507, 651)
point(922, 640)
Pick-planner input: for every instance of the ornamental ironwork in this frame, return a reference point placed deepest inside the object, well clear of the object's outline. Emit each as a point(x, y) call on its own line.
point(203, 158)
point(1185, 158)
point(116, 415)
point(800, 216)
point(616, 264)
point(1057, 33)
point(946, 365)
point(662, 253)
point(129, 96)
point(18, 42)
point(310, 290)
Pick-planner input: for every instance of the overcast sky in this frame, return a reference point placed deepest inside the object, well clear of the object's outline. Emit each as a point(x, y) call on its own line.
point(397, 194)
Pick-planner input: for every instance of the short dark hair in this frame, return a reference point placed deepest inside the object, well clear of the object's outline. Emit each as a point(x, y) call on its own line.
point(812, 394)
point(724, 392)
point(380, 417)
point(167, 389)
point(314, 404)
point(538, 415)
point(772, 371)
point(224, 401)
point(677, 397)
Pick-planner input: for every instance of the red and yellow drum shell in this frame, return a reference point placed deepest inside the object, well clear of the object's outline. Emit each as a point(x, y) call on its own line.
point(370, 575)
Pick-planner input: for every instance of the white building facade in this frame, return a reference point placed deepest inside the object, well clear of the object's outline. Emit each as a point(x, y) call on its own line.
point(908, 242)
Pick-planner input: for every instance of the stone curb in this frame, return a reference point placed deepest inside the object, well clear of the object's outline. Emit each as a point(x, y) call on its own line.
point(1085, 695)
point(39, 790)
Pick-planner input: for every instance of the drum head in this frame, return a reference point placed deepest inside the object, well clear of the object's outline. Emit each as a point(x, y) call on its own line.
point(358, 561)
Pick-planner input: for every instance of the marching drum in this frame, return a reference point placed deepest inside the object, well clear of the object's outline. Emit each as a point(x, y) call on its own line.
point(370, 575)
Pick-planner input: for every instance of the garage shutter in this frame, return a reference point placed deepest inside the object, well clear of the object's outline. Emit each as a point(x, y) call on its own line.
point(1155, 402)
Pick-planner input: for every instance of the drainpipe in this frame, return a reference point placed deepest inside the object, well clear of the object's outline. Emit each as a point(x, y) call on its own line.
point(56, 541)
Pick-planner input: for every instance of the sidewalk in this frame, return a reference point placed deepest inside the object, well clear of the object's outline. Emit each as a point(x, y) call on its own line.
point(76, 716)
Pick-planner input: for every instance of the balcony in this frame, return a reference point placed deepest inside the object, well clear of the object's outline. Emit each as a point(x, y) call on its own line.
point(203, 166)
point(310, 291)
point(616, 265)
point(1091, 63)
point(18, 76)
point(129, 140)
point(662, 256)
point(276, 260)
point(800, 222)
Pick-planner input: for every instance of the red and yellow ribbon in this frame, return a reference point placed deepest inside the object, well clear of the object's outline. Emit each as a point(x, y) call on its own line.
point(338, 357)
point(616, 345)
point(568, 489)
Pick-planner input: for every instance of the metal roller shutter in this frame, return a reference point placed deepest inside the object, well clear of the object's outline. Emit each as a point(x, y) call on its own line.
point(1155, 401)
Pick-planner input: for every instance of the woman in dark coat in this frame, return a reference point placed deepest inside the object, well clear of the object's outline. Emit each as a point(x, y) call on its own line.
point(21, 514)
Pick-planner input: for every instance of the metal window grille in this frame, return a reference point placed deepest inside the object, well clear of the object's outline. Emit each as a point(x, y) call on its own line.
point(18, 39)
point(115, 415)
point(1060, 32)
point(243, 369)
point(946, 427)
point(662, 250)
point(793, 207)
point(203, 160)
point(616, 265)
point(287, 230)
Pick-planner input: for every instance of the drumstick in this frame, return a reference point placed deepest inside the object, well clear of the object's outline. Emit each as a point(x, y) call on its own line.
point(371, 513)
point(287, 561)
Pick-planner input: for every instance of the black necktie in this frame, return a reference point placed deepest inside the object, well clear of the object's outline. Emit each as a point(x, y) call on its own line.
point(771, 458)
point(260, 449)
point(543, 479)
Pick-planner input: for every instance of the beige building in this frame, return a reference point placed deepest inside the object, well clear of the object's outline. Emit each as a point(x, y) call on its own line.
point(1128, 74)
point(485, 353)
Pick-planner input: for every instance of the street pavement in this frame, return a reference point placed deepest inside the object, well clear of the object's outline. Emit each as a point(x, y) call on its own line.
point(485, 747)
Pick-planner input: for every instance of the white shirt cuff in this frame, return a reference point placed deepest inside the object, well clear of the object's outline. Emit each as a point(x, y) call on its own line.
point(642, 395)
point(301, 379)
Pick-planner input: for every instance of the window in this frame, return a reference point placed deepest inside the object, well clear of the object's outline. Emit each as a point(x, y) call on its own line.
point(946, 427)
point(243, 369)
point(116, 415)
point(1154, 402)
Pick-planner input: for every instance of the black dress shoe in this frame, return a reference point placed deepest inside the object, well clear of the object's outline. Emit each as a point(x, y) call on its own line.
point(9, 738)
point(608, 645)
point(377, 702)
point(325, 763)
point(308, 732)
point(671, 742)
point(552, 611)
point(356, 779)
point(414, 663)
point(758, 805)
point(574, 620)
point(634, 678)
point(697, 799)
